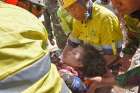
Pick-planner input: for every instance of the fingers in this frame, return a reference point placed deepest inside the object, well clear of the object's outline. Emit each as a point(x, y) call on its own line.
point(91, 89)
point(96, 79)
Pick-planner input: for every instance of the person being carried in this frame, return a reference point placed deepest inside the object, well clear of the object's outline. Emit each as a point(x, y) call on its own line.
point(89, 62)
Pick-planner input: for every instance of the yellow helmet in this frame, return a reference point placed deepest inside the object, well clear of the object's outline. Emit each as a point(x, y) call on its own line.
point(67, 3)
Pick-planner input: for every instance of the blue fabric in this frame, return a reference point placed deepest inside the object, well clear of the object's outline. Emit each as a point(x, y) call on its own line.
point(78, 86)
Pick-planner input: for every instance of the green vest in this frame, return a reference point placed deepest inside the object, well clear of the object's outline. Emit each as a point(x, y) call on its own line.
point(25, 65)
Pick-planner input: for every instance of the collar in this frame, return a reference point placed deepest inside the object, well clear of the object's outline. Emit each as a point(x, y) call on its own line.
point(89, 7)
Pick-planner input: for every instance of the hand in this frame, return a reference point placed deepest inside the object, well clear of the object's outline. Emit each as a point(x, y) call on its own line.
point(96, 84)
point(99, 82)
point(92, 88)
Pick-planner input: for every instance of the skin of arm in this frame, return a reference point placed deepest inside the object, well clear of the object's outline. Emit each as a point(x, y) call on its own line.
point(99, 82)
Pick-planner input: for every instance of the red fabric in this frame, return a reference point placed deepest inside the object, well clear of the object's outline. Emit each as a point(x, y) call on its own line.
point(14, 2)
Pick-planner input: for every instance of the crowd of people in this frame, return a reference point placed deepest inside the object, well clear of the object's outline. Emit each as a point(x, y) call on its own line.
point(101, 55)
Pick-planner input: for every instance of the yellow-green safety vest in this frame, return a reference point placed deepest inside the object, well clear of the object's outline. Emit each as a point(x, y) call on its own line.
point(25, 66)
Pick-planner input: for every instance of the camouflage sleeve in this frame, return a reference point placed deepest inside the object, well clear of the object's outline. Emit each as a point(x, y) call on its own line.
point(130, 78)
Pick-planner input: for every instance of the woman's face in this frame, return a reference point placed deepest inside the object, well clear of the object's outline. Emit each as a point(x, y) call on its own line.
point(125, 6)
point(74, 57)
point(77, 11)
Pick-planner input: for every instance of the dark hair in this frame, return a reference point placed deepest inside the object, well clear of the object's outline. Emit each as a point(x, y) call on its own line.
point(105, 1)
point(93, 62)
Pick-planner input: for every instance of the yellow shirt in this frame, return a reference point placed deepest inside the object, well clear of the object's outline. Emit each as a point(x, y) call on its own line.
point(102, 30)
point(23, 45)
point(22, 39)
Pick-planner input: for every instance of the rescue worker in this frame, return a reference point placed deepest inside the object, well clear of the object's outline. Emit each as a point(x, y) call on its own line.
point(131, 12)
point(95, 25)
point(38, 8)
point(25, 66)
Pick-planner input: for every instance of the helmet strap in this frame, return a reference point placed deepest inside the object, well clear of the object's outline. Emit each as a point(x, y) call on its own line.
point(89, 8)
point(88, 5)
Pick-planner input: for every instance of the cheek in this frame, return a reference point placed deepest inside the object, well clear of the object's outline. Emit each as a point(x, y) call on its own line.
point(77, 12)
point(34, 12)
point(68, 59)
point(71, 61)
point(133, 5)
point(114, 3)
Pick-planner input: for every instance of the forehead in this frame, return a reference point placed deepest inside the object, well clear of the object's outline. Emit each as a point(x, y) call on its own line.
point(78, 49)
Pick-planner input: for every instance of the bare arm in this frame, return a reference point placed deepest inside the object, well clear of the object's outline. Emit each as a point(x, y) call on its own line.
point(99, 82)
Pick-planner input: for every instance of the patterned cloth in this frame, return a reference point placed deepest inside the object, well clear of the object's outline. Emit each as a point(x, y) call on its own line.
point(130, 78)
